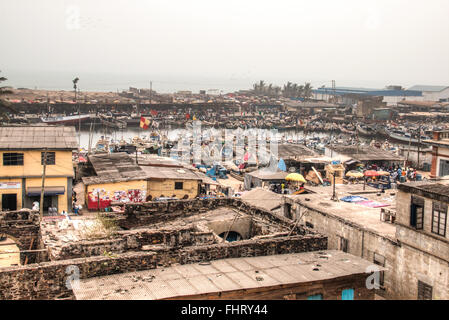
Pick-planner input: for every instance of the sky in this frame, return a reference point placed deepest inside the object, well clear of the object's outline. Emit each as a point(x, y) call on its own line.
point(185, 44)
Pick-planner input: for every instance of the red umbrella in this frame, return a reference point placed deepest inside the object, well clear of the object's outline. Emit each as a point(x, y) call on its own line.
point(371, 173)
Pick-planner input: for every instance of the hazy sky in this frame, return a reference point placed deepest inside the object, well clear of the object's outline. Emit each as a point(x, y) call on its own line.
point(359, 43)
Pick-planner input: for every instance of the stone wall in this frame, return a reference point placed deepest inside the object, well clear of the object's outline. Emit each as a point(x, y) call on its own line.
point(144, 214)
point(23, 228)
point(48, 280)
point(131, 240)
point(142, 249)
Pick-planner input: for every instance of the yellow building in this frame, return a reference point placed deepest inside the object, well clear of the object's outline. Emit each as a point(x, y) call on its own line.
point(22, 152)
point(119, 179)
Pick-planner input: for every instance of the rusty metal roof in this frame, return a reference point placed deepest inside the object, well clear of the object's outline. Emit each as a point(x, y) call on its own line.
point(120, 167)
point(222, 275)
point(38, 137)
point(365, 153)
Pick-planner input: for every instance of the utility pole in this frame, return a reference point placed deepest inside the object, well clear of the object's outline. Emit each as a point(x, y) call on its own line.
point(41, 207)
point(419, 144)
point(75, 82)
point(151, 91)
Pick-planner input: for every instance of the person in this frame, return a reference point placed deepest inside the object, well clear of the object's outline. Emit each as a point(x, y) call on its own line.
point(394, 176)
point(282, 188)
point(35, 205)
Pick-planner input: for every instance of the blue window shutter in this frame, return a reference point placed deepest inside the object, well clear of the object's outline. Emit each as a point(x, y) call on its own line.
point(347, 294)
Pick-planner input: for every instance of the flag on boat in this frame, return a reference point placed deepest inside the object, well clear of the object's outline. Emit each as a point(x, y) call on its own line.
point(153, 112)
point(144, 123)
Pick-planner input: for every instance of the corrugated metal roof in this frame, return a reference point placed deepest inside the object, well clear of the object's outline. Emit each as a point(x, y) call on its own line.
point(38, 137)
point(428, 88)
point(365, 153)
point(368, 92)
point(120, 167)
point(223, 275)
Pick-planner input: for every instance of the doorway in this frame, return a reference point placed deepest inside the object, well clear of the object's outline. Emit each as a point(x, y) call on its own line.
point(9, 202)
point(48, 202)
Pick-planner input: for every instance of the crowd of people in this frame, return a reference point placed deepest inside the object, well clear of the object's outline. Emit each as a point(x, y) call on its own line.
point(396, 172)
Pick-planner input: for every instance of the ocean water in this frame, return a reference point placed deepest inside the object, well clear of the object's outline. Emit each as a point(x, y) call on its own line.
point(108, 82)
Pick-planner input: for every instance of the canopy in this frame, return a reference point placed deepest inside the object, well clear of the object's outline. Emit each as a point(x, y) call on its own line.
point(371, 173)
point(295, 177)
point(355, 174)
point(48, 191)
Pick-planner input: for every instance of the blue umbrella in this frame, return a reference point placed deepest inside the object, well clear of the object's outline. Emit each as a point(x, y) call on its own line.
point(281, 165)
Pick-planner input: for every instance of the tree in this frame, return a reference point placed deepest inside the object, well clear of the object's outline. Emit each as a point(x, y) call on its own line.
point(287, 90)
point(307, 92)
point(5, 106)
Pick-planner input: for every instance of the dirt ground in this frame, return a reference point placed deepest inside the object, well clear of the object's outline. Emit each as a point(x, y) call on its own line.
point(9, 253)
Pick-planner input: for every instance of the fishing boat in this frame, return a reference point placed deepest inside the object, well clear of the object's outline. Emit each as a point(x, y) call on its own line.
point(66, 120)
point(366, 130)
point(405, 137)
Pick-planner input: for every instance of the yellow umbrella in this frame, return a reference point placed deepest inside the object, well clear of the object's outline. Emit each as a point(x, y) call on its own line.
point(295, 177)
point(354, 174)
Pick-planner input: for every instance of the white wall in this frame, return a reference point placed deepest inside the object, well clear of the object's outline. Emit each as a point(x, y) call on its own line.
point(436, 96)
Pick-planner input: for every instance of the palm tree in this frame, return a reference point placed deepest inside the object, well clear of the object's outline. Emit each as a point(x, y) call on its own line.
point(287, 90)
point(307, 92)
point(255, 88)
point(300, 92)
point(270, 90)
point(262, 87)
point(5, 106)
point(277, 91)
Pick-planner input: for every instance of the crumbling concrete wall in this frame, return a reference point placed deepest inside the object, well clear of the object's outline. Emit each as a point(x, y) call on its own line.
point(361, 242)
point(405, 264)
point(423, 256)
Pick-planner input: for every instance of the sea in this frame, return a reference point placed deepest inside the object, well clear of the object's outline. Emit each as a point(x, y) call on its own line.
point(110, 82)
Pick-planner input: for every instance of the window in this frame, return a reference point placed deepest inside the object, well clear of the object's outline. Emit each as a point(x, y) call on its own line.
point(444, 168)
point(424, 291)
point(315, 297)
point(13, 159)
point(380, 261)
point(344, 244)
point(439, 217)
point(417, 213)
point(51, 158)
point(179, 185)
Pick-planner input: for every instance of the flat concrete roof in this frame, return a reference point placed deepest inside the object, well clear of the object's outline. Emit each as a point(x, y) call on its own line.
point(222, 275)
point(366, 217)
point(262, 198)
